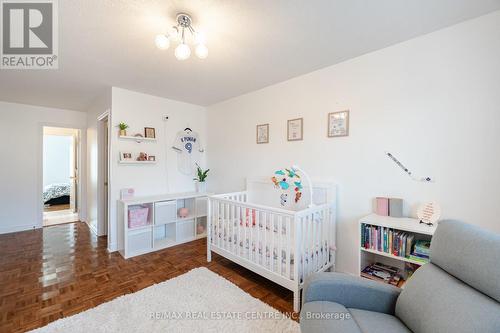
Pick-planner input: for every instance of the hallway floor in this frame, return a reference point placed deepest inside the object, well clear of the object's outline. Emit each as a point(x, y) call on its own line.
point(58, 214)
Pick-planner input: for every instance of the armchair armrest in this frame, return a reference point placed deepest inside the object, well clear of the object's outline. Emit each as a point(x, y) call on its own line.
point(351, 291)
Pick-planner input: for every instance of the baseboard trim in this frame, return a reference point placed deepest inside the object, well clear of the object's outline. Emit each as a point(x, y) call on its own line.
point(25, 227)
point(112, 248)
point(92, 228)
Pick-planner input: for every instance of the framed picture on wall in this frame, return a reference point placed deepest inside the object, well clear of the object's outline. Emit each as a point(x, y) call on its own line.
point(125, 156)
point(149, 132)
point(262, 133)
point(295, 129)
point(338, 124)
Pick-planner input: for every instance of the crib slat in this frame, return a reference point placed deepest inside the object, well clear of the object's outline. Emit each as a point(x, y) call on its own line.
point(328, 233)
point(265, 245)
point(272, 246)
point(228, 226)
point(316, 241)
point(279, 254)
point(313, 243)
point(323, 221)
point(309, 244)
point(303, 245)
point(238, 230)
point(222, 221)
point(217, 222)
point(258, 247)
point(251, 242)
point(288, 252)
point(233, 233)
point(224, 228)
point(325, 236)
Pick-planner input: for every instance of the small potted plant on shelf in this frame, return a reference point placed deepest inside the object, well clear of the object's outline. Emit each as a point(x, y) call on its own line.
point(201, 185)
point(123, 128)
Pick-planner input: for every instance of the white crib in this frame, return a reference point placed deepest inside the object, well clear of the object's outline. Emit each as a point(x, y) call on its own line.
point(284, 245)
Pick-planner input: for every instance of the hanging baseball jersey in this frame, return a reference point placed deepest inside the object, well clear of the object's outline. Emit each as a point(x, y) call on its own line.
point(187, 145)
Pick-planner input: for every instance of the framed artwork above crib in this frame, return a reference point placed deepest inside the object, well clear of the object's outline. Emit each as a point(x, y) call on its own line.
point(338, 124)
point(295, 130)
point(262, 133)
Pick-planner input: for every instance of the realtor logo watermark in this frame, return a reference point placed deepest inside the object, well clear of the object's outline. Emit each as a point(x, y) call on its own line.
point(29, 34)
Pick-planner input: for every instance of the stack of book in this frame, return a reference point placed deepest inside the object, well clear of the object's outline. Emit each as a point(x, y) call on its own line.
point(383, 273)
point(395, 242)
point(421, 251)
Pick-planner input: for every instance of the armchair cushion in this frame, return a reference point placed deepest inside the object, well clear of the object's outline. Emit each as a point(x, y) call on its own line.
point(335, 318)
point(351, 291)
point(376, 322)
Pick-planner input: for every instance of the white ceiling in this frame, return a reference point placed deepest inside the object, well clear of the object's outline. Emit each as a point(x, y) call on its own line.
point(252, 44)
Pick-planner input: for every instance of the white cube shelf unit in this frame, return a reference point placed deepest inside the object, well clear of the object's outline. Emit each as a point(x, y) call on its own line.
point(164, 227)
point(405, 224)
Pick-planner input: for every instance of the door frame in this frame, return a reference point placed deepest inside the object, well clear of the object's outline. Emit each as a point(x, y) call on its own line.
point(81, 165)
point(103, 225)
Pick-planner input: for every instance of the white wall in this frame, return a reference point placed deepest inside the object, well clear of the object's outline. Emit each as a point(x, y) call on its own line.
point(433, 101)
point(57, 150)
point(95, 173)
point(21, 178)
point(139, 111)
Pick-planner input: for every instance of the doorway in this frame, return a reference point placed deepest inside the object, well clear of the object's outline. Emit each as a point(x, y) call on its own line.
point(60, 175)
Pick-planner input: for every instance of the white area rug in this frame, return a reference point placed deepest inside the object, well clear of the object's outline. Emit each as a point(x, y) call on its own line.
point(198, 301)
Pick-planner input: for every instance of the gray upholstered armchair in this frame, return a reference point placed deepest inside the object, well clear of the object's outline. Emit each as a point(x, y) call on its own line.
point(458, 291)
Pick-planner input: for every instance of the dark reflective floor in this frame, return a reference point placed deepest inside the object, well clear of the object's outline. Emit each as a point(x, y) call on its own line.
point(58, 271)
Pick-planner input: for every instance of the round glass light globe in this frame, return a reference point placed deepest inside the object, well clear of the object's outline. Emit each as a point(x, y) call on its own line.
point(182, 52)
point(162, 42)
point(202, 51)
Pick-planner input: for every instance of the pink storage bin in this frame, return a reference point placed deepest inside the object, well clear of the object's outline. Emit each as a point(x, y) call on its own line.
point(138, 217)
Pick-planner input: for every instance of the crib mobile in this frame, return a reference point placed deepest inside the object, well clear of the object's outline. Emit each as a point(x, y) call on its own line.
point(284, 179)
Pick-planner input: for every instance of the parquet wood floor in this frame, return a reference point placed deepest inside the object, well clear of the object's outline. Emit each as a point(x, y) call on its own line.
point(58, 271)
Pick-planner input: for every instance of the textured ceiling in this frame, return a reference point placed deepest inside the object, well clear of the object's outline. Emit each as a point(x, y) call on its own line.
point(252, 44)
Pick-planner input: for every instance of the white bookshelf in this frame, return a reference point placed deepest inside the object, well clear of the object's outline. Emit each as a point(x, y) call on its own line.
point(406, 224)
point(164, 228)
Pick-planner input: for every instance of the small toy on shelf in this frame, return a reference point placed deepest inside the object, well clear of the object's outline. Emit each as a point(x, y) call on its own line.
point(200, 229)
point(142, 157)
point(183, 212)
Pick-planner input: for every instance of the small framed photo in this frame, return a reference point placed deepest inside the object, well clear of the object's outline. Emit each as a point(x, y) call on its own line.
point(338, 124)
point(125, 156)
point(151, 158)
point(295, 129)
point(149, 132)
point(262, 133)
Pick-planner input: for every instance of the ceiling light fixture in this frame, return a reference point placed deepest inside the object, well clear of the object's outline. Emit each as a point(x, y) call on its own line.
point(180, 33)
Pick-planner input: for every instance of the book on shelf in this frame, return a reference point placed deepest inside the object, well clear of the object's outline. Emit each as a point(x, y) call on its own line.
point(383, 273)
point(395, 242)
point(422, 247)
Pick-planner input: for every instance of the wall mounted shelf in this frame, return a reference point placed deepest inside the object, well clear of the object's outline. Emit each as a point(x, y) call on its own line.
point(136, 138)
point(137, 162)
